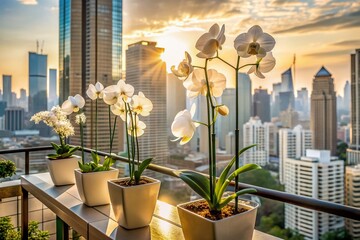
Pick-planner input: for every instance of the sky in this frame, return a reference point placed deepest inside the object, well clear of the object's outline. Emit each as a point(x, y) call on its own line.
point(319, 32)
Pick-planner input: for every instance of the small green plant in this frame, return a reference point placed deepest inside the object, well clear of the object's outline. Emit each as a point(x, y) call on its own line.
point(57, 120)
point(7, 168)
point(8, 232)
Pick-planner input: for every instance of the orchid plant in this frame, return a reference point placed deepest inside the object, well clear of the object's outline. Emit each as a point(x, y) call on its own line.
point(201, 81)
point(57, 120)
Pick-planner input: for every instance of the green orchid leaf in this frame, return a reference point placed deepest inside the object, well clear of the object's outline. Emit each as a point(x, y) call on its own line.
point(225, 172)
point(55, 146)
point(144, 164)
point(225, 201)
point(245, 168)
point(197, 182)
point(53, 156)
point(95, 157)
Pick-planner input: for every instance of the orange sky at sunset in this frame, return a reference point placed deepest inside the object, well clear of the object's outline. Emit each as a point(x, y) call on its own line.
point(320, 32)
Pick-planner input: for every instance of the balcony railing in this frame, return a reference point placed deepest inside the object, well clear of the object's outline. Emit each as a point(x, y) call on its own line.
point(305, 202)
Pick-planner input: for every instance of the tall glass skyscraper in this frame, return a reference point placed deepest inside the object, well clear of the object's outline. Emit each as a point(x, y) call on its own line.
point(7, 89)
point(53, 98)
point(90, 47)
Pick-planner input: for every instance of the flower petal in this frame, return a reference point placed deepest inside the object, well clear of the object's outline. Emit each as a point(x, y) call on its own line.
point(80, 101)
point(267, 42)
point(255, 32)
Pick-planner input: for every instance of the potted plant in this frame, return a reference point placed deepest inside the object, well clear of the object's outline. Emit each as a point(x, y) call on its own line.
point(217, 216)
point(7, 169)
point(91, 177)
point(62, 163)
point(133, 198)
point(9, 232)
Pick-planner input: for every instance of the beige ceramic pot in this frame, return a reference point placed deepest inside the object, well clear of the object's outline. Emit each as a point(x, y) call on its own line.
point(92, 186)
point(240, 226)
point(134, 206)
point(62, 170)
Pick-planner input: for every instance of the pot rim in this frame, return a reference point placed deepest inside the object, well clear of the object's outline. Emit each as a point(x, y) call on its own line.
point(72, 156)
point(251, 208)
point(113, 182)
point(77, 170)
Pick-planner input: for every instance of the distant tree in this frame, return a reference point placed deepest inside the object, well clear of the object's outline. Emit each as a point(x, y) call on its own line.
point(339, 234)
point(341, 150)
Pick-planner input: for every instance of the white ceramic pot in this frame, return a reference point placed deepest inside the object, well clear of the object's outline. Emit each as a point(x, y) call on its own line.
point(134, 206)
point(92, 186)
point(62, 170)
point(240, 226)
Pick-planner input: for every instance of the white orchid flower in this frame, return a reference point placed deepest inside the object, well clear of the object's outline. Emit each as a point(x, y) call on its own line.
point(184, 69)
point(119, 110)
point(139, 126)
point(183, 126)
point(141, 105)
point(254, 42)
point(264, 65)
point(125, 90)
point(211, 41)
point(111, 94)
point(73, 104)
point(197, 84)
point(95, 91)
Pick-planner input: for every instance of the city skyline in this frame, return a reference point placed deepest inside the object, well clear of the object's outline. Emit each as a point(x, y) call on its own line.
point(330, 45)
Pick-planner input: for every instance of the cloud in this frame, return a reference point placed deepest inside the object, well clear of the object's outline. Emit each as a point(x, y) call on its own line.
point(330, 53)
point(28, 2)
point(347, 43)
point(327, 22)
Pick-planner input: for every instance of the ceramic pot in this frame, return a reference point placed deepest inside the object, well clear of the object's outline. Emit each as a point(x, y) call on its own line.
point(134, 206)
point(239, 226)
point(92, 186)
point(62, 170)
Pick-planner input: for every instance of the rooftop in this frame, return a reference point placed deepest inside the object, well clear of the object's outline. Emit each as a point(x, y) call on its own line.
point(323, 72)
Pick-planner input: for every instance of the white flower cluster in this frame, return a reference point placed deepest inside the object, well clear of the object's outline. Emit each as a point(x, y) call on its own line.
point(80, 118)
point(56, 119)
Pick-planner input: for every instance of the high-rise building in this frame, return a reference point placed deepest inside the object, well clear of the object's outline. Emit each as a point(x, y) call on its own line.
point(256, 133)
point(3, 106)
point(227, 123)
point(293, 144)
point(289, 118)
point(14, 118)
point(261, 104)
point(273, 138)
point(38, 88)
point(147, 73)
point(316, 175)
point(347, 96)
point(7, 89)
point(352, 197)
point(90, 51)
point(53, 98)
point(286, 95)
point(275, 100)
point(14, 102)
point(323, 112)
point(302, 103)
point(353, 153)
point(23, 100)
point(175, 98)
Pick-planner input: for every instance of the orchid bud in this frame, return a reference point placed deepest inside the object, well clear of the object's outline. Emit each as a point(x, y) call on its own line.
point(223, 110)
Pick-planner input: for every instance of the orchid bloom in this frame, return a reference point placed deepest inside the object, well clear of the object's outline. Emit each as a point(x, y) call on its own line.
point(141, 105)
point(139, 126)
point(254, 42)
point(209, 43)
point(264, 65)
point(184, 69)
point(111, 94)
point(197, 84)
point(183, 126)
point(73, 104)
point(125, 90)
point(119, 110)
point(95, 91)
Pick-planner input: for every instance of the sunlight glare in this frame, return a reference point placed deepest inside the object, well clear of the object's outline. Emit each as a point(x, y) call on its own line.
point(174, 51)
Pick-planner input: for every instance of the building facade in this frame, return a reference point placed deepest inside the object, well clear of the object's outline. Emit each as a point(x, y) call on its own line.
point(323, 112)
point(7, 89)
point(317, 175)
point(53, 98)
point(256, 133)
point(352, 197)
point(90, 51)
point(293, 144)
point(14, 118)
point(261, 104)
point(147, 73)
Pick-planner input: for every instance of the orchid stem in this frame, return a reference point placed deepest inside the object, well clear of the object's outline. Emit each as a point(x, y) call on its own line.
point(110, 129)
point(127, 139)
point(237, 133)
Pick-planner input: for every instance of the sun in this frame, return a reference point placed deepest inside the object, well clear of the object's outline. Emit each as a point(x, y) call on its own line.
point(174, 50)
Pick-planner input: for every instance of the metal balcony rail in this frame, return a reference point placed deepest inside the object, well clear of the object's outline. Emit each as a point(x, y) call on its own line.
point(305, 202)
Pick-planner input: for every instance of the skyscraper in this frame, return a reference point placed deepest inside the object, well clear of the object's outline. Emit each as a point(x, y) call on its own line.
point(53, 98)
point(317, 175)
point(286, 95)
point(147, 73)
point(256, 133)
point(23, 100)
point(7, 89)
point(302, 103)
point(323, 112)
point(227, 123)
point(347, 96)
point(14, 118)
point(275, 100)
point(293, 143)
point(90, 47)
point(353, 153)
point(175, 98)
point(261, 104)
point(352, 198)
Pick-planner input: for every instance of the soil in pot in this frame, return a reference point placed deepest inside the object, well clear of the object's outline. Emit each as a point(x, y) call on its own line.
point(202, 208)
point(126, 183)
